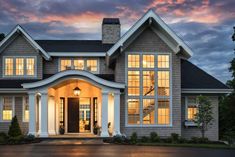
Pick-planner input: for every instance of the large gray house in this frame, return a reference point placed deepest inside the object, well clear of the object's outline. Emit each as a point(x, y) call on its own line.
point(139, 82)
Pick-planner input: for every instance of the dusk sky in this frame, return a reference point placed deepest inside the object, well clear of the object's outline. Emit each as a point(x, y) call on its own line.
point(205, 25)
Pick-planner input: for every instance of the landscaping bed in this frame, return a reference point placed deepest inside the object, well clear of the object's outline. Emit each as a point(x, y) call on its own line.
point(173, 141)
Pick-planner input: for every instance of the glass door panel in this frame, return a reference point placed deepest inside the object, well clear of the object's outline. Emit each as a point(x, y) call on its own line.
point(84, 115)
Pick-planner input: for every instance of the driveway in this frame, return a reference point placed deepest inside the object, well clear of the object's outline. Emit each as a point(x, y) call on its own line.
point(109, 150)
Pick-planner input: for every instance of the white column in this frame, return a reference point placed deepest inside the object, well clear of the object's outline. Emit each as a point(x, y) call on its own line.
point(104, 115)
point(116, 114)
point(44, 115)
point(32, 114)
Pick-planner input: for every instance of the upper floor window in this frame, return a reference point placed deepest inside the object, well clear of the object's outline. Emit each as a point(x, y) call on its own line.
point(79, 64)
point(148, 84)
point(19, 66)
point(191, 108)
point(7, 108)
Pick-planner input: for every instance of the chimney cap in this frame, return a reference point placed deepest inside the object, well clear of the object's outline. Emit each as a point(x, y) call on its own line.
point(111, 21)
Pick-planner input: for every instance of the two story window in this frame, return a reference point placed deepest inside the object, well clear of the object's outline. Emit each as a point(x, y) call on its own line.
point(148, 80)
point(19, 66)
point(79, 64)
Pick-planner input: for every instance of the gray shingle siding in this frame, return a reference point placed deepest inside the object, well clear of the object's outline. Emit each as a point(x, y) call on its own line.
point(213, 130)
point(148, 41)
point(21, 47)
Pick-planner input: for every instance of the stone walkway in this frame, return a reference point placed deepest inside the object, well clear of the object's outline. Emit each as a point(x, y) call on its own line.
point(71, 142)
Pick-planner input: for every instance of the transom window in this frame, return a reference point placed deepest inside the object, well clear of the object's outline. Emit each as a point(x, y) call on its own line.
point(148, 84)
point(191, 108)
point(7, 108)
point(79, 64)
point(19, 66)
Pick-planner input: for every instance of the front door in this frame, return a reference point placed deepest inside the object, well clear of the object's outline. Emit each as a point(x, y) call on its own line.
point(73, 115)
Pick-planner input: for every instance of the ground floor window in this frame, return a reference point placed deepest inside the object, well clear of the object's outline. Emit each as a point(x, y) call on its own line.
point(25, 109)
point(191, 108)
point(7, 108)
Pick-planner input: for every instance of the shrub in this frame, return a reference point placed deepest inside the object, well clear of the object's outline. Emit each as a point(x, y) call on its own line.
point(144, 139)
point(29, 138)
point(154, 137)
point(182, 140)
point(118, 139)
point(199, 140)
point(230, 137)
point(174, 138)
point(14, 129)
point(134, 138)
point(16, 139)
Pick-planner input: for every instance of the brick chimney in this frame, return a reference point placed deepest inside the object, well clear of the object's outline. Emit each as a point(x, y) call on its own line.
point(111, 29)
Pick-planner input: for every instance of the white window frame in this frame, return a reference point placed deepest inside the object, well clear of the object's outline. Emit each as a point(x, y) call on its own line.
point(189, 122)
point(85, 64)
point(14, 67)
point(141, 97)
point(23, 109)
point(1, 108)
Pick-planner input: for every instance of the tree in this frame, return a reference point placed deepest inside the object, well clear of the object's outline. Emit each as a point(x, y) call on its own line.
point(2, 36)
point(14, 129)
point(203, 117)
point(227, 105)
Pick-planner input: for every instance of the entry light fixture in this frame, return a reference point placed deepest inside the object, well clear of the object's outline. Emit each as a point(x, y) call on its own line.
point(76, 91)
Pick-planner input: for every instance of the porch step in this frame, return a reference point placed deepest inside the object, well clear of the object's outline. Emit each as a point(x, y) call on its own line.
point(71, 142)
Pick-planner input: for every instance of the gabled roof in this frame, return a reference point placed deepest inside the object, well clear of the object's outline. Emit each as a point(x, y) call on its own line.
point(73, 45)
point(195, 79)
point(152, 16)
point(19, 29)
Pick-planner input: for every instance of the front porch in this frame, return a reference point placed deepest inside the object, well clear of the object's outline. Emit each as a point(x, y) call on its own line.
point(53, 105)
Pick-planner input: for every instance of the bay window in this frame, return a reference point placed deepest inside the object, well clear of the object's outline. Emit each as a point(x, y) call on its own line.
point(19, 66)
point(148, 85)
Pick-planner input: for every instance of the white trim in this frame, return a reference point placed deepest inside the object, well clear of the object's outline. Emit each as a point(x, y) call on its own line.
point(69, 73)
point(77, 54)
point(28, 37)
point(141, 97)
point(149, 14)
point(1, 108)
point(201, 91)
point(14, 67)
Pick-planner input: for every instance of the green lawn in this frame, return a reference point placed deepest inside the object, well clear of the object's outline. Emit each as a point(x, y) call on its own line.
point(215, 146)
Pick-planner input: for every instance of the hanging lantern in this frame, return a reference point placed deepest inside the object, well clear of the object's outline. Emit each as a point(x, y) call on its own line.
point(76, 91)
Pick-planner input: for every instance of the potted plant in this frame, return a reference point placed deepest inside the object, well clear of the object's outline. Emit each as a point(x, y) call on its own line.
point(61, 130)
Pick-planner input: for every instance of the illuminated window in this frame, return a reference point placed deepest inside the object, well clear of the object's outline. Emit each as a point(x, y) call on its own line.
point(30, 66)
point(7, 108)
point(19, 66)
point(61, 112)
point(148, 83)
point(92, 65)
point(133, 61)
point(148, 61)
point(133, 83)
point(148, 111)
point(133, 111)
point(163, 61)
point(8, 66)
point(26, 109)
point(163, 111)
point(78, 64)
point(149, 88)
point(163, 83)
point(65, 64)
point(192, 108)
